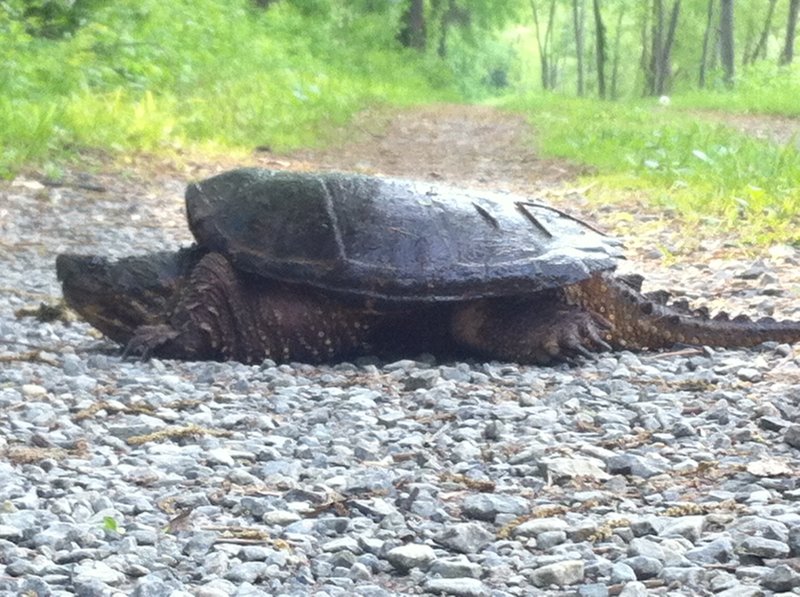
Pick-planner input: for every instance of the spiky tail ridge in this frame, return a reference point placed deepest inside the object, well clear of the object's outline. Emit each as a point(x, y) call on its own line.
point(638, 322)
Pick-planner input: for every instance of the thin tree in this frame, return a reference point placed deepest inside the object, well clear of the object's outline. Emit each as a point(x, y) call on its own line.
point(615, 59)
point(644, 57)
point(665, 66)
point(657, 38)
point(760, 50)
point(660, 73)
point(577, 19)
point(788, 48)
point(706, 39)
point(544, 43)
point(726, 52)
point(600, 49)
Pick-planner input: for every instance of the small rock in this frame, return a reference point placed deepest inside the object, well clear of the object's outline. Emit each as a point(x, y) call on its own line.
point(634, 589)
point(537, 526)
point(773, 423)
point(89, 571)
point(632, 464)
point(769, 467)
point(411, 555)
point(486, 506)
point(550, 539)
point(792, 436)
point(593, 590)
point(359, 571)
point(794, 541)
point(558, 468)
point(622, 573)
point(645, 547)
point(781, 579)
point(459, 567)
point(280, 517)
point(248, 572)
point(763, 548)
point(468, 537)
point(460, 587)
point(749, 374)
point(689, 527)
point(741, 591)
point(31, 390)
point(644, 567)
point(567, 572)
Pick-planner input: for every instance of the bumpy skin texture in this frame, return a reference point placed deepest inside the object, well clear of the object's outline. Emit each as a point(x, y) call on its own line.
point(197, 306)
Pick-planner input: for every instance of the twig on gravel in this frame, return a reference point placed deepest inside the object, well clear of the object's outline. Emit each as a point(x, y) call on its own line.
point(83, 186)
point(683, 352)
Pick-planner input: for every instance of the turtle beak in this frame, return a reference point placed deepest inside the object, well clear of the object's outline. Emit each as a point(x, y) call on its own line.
point(116, 297)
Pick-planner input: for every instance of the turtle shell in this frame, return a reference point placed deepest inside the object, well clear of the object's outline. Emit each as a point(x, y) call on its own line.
point(391, 239)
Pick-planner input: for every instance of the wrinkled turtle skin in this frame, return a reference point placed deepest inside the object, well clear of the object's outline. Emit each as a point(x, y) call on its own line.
point(320, 267)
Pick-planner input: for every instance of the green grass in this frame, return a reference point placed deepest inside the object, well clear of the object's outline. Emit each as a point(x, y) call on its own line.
point(701, 171)
point(763, 88)
point(152, 75)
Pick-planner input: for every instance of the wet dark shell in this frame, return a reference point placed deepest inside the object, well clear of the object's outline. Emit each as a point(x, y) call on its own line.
point(391, 239)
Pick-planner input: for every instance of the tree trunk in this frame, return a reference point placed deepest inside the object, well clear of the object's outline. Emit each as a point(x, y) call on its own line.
point(761, 46)
point(726, 50)
point(412, 32)
point(543, 43)
point(788, 48)
point(615, 59)
point(548, 42)
point(600, 52)
point(665, 67)
point(706, 38)
point(644, 58)
point(577, 19)
point(654, 80)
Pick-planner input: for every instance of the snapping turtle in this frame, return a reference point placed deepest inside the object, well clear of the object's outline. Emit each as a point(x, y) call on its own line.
point(316, 267)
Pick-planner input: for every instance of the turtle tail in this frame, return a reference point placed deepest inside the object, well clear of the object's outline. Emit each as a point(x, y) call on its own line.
point(640, 321)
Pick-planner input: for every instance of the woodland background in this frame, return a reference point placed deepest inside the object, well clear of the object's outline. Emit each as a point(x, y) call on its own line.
point(633, 90)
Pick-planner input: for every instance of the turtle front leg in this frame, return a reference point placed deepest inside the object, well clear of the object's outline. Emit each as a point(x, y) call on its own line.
point(223, 314)
point(536, 329)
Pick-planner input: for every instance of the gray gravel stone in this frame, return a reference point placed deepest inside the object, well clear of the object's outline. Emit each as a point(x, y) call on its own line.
point(567, 572)
point(690, 527)
point(537, 526)
point(634, 589)
point(781, 579)
point(468, 537)
point(486, 506)
point(406, 557)
point(460, 587)
point(763, 548)
point(622, 572)
point(644, 567)
point(718, 551)
point(792, 436)
point(458, 567)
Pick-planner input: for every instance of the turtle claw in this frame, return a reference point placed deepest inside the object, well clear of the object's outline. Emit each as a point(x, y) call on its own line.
point(147, 339)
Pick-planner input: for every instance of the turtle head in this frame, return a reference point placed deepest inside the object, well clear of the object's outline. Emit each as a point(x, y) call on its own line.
point(116, 297)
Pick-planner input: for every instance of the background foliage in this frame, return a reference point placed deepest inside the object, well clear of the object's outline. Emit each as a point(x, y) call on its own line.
point(148, 75)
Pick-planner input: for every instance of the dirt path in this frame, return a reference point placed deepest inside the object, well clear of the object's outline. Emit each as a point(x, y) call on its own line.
point(473, 145)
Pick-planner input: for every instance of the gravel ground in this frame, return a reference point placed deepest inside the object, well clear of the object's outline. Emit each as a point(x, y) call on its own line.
point(648, 474)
